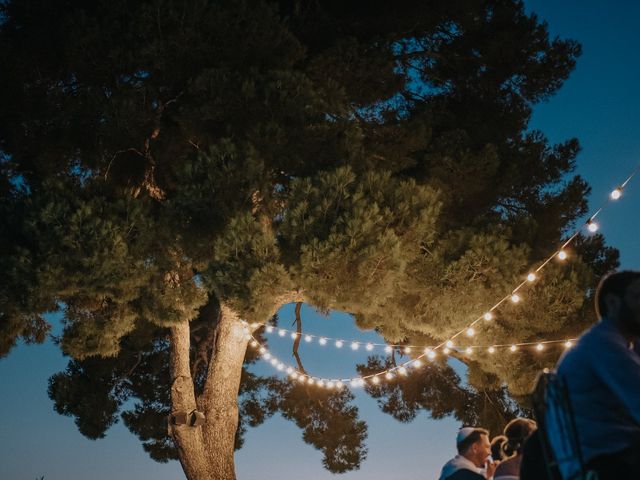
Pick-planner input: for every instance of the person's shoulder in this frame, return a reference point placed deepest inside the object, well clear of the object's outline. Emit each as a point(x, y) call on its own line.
point(465, 475)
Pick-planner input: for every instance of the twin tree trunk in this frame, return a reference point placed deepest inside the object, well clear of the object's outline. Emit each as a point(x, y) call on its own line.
point(206, 452)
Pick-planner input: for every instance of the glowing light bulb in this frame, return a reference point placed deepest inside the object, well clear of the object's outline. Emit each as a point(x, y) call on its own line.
point(488, 316)
point(269, 329)
point(262, 350)
point(515, 298)
point(491, 350)
point(388, 349)
point(562, 255)
point(470, 332)
point(321, 383)
point(322, 341)
point(545, 370)
point(369, 347)
point(311, 381)
point(302, 379)
point(388, 376)
point(294, 375)
point(539, 347)
point(294, 335)
point(354, 382)
point(531, 277)
point(254, 343)
point(468, 351)
point(289, 370)
point(355, 345)
point(280, 366)
point(274, 361)
point(616, 194)
point(446, 350)
point(267, 355)
point(402, 371)
point(339, 344)
point(592, 226)
point(417, 363)
point(407, 349)
point(449, 344)
point(375, 380)
point(339, 385)
point(307, 338)
point(431, 354)
point(513, 348)
point(330, 385)
point(255, 325)
point(282, 332)
point(568, 344)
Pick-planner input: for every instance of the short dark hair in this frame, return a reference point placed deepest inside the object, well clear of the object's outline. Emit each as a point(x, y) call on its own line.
point(614, 283)
point(472, 438)
point(517, 431)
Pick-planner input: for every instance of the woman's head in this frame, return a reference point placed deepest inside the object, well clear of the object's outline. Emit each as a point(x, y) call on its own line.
point(517, 431)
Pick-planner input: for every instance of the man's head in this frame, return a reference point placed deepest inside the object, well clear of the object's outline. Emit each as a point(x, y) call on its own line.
point(474, 445)
point(618, 299)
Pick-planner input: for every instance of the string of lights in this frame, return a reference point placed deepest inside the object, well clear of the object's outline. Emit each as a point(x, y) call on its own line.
point(447, 346)
point(402, 369)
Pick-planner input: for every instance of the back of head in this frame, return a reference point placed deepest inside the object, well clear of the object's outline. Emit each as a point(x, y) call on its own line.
point(496, 447)
point(614, 283)
point(517, 431)
point(467, 436)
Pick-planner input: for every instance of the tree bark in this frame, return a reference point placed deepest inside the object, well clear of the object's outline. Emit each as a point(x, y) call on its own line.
point(207, 451)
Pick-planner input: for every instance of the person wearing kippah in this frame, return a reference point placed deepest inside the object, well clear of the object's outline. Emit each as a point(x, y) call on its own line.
point(473, 461)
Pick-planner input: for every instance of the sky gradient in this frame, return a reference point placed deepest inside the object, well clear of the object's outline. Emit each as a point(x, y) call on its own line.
point(599, 105)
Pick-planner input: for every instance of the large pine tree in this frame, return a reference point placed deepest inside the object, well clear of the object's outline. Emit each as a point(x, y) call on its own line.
point(168, 168)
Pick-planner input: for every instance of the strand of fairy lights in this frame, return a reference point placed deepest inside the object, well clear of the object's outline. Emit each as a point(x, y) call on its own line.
point(403, 369)
point(447, 346)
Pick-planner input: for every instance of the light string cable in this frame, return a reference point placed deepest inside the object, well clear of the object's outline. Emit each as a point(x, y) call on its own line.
point(430, 352)
point(402, 369)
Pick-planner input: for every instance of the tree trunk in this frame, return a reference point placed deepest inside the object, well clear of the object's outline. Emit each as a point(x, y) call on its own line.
point(207, 451)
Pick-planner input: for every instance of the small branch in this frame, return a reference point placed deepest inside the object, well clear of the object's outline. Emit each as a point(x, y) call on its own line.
point(296, 343)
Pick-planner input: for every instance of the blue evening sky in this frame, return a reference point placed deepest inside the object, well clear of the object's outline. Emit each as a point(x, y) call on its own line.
point(599, 105)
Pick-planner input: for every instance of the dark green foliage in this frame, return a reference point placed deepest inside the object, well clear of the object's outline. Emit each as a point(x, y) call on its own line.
point(158, 158)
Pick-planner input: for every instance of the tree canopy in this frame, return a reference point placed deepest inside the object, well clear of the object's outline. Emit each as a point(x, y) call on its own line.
point(161, 159)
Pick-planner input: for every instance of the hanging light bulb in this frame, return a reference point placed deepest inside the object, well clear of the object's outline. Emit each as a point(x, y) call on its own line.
point(513, 348)
point(355, 345)
point(540, 347)
point(449, 344)
point(388, 349)
point(562, 255)
point(369, 347)
point(282, 332)
point(407, 350)
point(568, 344)
point(470, 332)
point(446, 350)
point(311, 381)
point(469, 350)
point(431, 354)
point(531, 277)
point(294, 335)
point(254, 344)
point(307, 338)
point(616, 193)
point(388, 376)
point(330, 384)
point(339, 344)
point(262, 350)
point(294, 375)
point(488, 316)
point(375, 380)
point(321, 383)
point(592, 226)
point(280, 366)
point(266, 355)
point(402, 371)
point(274, 361)
point(322, 341)
point(289, 370)
point(339, 385)
point(491, 350)
point(515, 298)
point(417, 363)
point(269, 329)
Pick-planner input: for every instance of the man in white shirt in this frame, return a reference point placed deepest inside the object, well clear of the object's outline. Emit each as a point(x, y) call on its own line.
point(473, 461)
